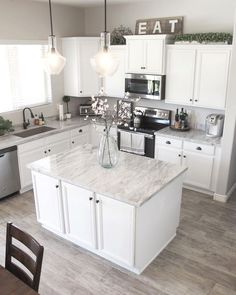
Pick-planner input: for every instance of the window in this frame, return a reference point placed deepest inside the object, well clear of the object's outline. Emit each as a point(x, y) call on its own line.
point(23, 81)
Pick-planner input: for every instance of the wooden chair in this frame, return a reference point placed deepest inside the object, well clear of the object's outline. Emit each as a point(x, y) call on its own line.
point(32, 265)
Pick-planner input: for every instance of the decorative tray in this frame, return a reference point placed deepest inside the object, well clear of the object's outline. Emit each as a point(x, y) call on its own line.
point(180, 129)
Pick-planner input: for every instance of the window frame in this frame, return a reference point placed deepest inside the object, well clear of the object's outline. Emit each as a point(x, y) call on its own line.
point(27, 42)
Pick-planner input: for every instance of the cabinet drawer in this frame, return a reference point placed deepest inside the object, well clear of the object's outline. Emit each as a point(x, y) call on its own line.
point(79, 131)
point(170, 142)
point(57, 137)
point(32, 145)
point(200, 148)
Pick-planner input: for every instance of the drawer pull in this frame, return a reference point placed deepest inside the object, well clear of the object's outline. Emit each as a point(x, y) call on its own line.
point(45, 152)
point(80, 130)
point(185, 156)
point(57, 186)
point(91, 198)
point(199, 148)
point(179, 155)
point(196, 100)
point(168, 142)
point(143, 68)
point(190, 99)
point(97, 201)
point(73, 142)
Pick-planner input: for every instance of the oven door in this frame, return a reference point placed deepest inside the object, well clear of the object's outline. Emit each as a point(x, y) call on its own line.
point(144, 86)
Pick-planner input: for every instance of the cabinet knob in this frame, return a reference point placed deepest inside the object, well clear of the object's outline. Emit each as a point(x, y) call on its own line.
point(198, 148)
point(73, 142)
point(195, 100)
point(81, 91)
point(97, 201)
point(179, 155)
point(49, 150)
point(143, 68)
point(185, 156)
point(190, 99)
point(45, 152)
point(57, 186)
point(81, 130)
point(91, 198)
point(168, 142)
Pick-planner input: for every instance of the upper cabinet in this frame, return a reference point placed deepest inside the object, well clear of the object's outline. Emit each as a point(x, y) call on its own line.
point(198, 75)
point(79, 77)
point(115, 85)
point(146, 54)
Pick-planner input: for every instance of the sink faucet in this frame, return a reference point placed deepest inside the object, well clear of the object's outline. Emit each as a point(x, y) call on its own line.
point(26, 124)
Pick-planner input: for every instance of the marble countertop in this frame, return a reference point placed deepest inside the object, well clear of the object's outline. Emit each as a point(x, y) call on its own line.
point(193, 135)
point(11, 139)
point(134, 180)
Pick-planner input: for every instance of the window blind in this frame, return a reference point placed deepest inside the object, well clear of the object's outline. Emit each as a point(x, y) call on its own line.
point(23, 81)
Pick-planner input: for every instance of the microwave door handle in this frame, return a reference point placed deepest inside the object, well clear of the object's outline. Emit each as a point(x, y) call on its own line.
point(153, 87)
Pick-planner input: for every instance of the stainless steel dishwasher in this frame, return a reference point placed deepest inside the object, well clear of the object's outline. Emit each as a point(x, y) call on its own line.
point(9, 172)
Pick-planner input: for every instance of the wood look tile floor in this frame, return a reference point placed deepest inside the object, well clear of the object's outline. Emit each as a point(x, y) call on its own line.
point(201, 260)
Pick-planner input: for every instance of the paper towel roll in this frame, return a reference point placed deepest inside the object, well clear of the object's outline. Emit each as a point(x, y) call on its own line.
point(61, 112)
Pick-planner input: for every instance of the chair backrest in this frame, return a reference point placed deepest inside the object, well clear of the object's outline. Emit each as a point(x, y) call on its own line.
point(32, 263)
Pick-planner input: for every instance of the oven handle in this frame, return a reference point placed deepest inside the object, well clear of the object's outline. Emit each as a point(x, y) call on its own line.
point(135, 132)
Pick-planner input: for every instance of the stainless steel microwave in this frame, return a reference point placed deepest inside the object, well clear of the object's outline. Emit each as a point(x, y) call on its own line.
point(145, 86)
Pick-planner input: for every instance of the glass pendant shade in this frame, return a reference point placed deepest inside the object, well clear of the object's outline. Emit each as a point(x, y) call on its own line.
point(54, 62)
point(104, 63)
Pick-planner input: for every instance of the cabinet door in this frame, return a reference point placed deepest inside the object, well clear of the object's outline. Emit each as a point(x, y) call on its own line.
point(115, 85)
point(180, 74)
point(116, 230)
point(58, 147)
point(25, 159)
point(79, 212)
point(71, 77)
point(48, 202)
point(199, 171)
point(169, 155)
point(90, 81)
point(212, 77)
point(154, 59)
point(135, 56)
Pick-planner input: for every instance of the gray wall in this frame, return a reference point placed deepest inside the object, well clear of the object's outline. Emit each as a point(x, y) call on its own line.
point(199, 16)
point(227, 177)
point(28, 20)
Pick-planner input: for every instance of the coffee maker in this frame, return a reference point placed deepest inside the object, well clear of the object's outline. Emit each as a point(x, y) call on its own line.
point(214, 125)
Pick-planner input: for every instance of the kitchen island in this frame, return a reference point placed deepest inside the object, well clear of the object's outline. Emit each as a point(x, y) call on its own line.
point(127, 214)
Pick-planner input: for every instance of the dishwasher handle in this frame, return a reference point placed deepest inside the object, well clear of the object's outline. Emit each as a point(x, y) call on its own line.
point(1, 156)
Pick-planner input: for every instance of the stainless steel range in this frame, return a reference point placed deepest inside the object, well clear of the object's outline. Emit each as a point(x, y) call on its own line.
point(141, 140)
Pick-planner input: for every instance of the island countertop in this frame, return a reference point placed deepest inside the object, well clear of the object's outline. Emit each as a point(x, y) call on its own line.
point(134, 180)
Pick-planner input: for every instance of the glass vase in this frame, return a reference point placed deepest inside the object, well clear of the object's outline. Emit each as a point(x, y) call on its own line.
point(108, 151)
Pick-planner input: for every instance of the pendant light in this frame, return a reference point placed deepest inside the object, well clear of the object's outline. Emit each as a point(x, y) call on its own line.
point(103, 62)
point(54, 62)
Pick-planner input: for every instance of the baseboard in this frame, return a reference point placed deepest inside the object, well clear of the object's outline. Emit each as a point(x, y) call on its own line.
point(26, 189)
point(197, 189)
point(224, 198)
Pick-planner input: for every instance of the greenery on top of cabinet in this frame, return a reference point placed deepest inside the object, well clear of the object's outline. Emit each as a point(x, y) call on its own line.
point(226, 38)
point(117, 35)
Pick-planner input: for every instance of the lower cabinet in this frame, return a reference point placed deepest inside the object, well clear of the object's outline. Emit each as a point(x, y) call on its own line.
point(48, 202)
point(115, 224)
point(199, 169)
point(199, 158)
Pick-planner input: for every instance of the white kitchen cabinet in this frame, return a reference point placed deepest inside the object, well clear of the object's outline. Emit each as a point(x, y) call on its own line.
point(38, 149)
point(48, 202)
point(80, 136)
point(180, 74)
point(115, 84)
point(80, 79)
point(79, 211)
point(198, 75)
point(199, 171)
point(115, 229)
point(212, 71)
point(173, 155)
point(146, 54)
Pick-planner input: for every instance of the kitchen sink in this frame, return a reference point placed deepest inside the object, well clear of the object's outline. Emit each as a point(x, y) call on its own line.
point(34, 131)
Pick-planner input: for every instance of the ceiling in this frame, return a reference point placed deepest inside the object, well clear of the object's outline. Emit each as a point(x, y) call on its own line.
point(86, 3)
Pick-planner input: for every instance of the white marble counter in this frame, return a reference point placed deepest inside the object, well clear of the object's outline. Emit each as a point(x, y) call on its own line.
point(134, 180)
point(194, 135)
point(12, 139)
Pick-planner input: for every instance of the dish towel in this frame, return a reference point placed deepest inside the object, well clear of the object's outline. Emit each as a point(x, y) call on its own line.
point(138, 144)
point(125, 141)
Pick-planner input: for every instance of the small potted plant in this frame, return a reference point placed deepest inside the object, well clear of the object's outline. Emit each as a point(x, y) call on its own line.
point(66, 99)
point(5, 126)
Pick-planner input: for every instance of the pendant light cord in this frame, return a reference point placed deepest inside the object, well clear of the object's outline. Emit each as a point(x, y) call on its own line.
point(105, 13)
point(51, 24)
